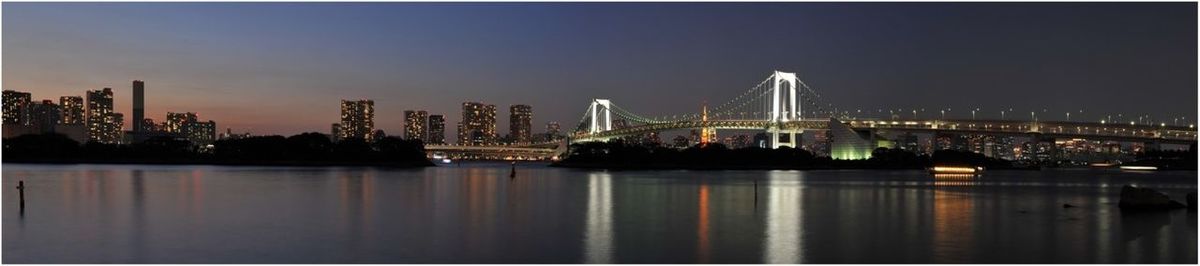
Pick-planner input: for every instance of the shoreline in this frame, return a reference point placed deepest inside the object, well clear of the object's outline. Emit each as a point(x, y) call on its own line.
point(416, 164)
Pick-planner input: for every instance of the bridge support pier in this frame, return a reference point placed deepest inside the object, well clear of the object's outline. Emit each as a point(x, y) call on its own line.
point(783, 137)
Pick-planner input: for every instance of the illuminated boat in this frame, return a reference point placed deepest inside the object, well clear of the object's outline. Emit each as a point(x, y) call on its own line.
point(955, 170)
point(1139, 168)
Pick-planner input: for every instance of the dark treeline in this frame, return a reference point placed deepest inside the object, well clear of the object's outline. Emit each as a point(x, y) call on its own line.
point(1169, 159)
point(620, 155)
point(302, 149)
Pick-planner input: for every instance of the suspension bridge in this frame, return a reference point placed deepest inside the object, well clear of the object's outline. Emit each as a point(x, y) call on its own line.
point(784, 107)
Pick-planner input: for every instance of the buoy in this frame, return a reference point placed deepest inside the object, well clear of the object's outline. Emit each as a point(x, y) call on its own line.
point(513, 174)
point(21, 190)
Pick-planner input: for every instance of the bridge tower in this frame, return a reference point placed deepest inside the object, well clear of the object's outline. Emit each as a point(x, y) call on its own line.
point(598, 107)
point(785, 107)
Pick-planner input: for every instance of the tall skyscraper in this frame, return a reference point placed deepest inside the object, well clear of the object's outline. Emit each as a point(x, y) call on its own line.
point(478, 126)
point(437, 130)
point(102, 123)
point(139, 106)
point(520, 123)
point(415, 124)
point(358, 119)
point(15, 107)
point(72, 110)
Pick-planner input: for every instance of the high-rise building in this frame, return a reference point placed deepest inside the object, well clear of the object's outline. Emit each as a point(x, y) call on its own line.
point(44, 116)
point(520, 123)
point(103, 125)
point(179, 123)
point(187, 125)
point(15, 107)
point(416, 124)
point(139, 106)
point(72, 110)
point(202, 133)
point(478, 126)
point(116, 123)
point(358, 119)
point(437, 130)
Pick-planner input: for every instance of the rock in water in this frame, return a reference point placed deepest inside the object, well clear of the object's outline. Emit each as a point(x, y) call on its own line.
point(1066, 205)
point(1133, 198)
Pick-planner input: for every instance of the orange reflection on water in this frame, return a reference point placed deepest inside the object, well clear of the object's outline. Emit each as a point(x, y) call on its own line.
point(955, 179)
point(702, 247)
point(952, 226)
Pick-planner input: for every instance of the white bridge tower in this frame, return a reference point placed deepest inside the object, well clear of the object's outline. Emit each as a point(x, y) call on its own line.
point(598, 107)
point(785, 107)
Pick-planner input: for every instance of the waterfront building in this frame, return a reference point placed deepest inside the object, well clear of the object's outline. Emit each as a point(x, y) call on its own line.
point(179, 123)
point(15, 107)
point(520, 123)
point(72, 110)
point(358, 119)
point(478, 126)
point(437, 130)
point(416, 125)
point(44, 116)
point(202, 133)
point(103, 125)
point(139, 106)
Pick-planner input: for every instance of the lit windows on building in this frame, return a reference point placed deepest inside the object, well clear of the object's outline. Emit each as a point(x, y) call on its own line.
point(520, 123)
point(103, 125)
point(72, 110)
point(437, 130)
point(358, 119)
point(416, 124)
point(478, 126)
point(15, 107)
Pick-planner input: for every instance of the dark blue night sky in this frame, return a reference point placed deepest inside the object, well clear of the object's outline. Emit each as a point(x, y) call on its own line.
point(282, 67)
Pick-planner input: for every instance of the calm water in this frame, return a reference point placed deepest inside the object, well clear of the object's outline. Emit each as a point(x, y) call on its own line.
point(474, 213)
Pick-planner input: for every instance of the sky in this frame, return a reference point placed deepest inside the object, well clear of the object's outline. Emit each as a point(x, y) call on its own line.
point(282, 68)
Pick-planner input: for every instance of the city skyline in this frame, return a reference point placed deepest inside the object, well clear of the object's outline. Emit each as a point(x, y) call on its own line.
point(1130, 69)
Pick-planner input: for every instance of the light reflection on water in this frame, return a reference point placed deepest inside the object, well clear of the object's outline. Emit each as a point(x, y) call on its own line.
point(475, 213)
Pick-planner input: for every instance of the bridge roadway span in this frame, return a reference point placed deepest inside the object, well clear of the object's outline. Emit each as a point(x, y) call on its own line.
point(1048, 129)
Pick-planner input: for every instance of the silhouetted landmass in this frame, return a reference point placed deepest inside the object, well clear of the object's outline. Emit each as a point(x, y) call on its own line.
point(619, 155)
point(1168, 159)
point(308, 149)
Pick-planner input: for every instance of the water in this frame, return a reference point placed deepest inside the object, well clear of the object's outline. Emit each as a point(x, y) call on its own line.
point(474, 213)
